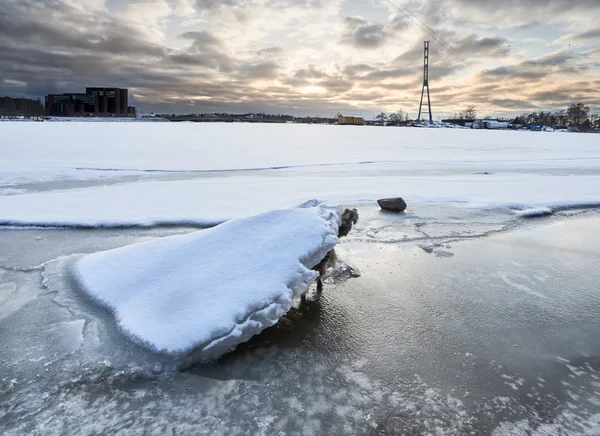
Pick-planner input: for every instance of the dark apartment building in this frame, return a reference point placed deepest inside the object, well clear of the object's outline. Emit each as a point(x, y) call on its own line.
point(98, 102)
point(20, 107)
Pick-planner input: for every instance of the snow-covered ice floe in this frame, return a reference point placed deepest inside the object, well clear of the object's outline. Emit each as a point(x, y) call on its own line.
point(197, 296)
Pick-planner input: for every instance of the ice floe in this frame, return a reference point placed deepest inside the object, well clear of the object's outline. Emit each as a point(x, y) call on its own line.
point(197, 296)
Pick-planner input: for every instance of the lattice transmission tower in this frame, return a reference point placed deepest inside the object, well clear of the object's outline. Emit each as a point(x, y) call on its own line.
point(425, 82)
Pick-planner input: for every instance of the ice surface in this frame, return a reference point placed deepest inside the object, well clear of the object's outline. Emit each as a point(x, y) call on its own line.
point(205, 174)
point(37, 151)
point(210, 290)
point(208, 201)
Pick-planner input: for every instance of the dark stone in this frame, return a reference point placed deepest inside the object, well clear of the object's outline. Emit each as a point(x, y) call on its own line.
point(392, 204)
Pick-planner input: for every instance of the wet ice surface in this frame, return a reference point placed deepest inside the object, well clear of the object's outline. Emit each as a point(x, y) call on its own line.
point(462, 321)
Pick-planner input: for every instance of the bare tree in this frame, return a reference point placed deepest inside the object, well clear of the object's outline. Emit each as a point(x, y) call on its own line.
point(470, 113)
point(578, 114)
point(382, 118)
point(397, 118)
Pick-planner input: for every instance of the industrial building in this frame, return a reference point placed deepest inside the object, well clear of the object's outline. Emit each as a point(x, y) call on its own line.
point(357, 121)
point(96, 102)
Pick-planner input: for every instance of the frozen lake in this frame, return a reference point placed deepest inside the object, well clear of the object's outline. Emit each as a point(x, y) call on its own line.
point(468, 317)
point(171, 173)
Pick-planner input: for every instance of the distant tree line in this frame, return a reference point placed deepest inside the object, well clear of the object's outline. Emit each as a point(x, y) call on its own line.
point(250, 116)
point(21, 107)
point(576, 115)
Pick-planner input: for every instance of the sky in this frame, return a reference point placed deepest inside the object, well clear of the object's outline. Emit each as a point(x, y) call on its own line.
point(307, 57)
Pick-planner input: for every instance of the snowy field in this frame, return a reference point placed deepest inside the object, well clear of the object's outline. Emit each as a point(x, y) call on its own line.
point(94, 174)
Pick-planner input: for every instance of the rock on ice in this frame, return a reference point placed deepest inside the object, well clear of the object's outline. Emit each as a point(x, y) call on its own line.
point(197, 296)
point(396, 204)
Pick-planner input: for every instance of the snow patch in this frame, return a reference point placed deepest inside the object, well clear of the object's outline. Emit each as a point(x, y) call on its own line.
point(534, 212)
point(197, 296)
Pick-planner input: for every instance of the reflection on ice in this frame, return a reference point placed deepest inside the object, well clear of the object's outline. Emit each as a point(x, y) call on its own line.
point(442, 223)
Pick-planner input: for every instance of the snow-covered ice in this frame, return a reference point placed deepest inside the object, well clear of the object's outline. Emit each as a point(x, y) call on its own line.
point(172, 173)
point(198, 295)
point(209, 201)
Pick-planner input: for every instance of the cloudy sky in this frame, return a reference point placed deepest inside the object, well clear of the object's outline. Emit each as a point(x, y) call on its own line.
point(307, 56)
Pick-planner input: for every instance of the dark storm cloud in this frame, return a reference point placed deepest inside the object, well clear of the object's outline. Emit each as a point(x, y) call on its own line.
point(27, 22)
point(508, 103)
point(51, 55)
point(553, 59)
point(487, 46)
point(554, 64)
point(362, 33)
point(203, 41)
point(206, 50)
point(515, 72)
point(68, 53)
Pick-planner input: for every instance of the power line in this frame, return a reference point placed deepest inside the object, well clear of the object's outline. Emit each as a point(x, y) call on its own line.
point(411, 16)
point(433, 31)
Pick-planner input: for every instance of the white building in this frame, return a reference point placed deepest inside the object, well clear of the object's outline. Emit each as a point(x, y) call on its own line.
point(489, 124)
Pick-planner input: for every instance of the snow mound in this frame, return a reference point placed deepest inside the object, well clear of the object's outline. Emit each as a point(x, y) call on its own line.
point(197, 296)
point(534, 212)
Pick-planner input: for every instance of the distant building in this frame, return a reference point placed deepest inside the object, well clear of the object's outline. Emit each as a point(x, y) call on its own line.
point(458, 122)
point(20, 108)
point(96, 102)
point(478, 124)
point(489, 124)
point(358, 121)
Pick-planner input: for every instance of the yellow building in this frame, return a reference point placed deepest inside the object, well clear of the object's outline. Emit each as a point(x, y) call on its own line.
point(358, 121)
